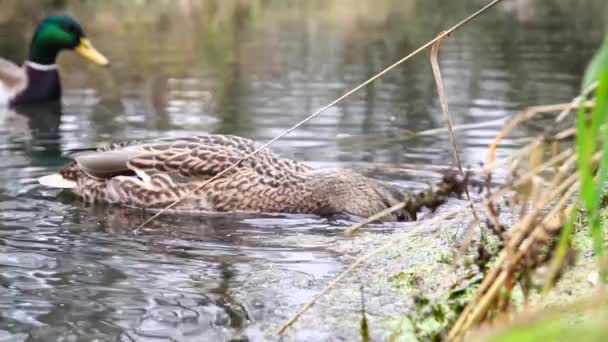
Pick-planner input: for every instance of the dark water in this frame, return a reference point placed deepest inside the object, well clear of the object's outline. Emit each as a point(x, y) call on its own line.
point(75, 273)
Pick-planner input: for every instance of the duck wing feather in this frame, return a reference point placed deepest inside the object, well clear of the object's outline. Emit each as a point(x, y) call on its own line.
point(192, 157)
point(12, 77)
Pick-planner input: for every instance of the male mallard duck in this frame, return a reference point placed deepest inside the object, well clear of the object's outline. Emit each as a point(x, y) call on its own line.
point(155, 174)
point(38, 80)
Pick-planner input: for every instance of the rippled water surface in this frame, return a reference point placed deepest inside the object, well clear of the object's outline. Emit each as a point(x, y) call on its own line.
point(71, 272)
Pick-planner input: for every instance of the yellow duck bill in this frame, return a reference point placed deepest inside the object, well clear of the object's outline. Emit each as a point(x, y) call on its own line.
point(88, 51)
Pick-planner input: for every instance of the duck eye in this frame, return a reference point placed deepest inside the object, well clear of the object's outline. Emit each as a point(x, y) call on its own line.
point(69, 28)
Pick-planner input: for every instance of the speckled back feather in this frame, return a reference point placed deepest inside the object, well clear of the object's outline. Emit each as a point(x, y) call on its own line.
point(262, 183)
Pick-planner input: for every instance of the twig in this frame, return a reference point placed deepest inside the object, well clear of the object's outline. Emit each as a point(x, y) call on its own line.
point(352, 229)
point(448, 120)
point(575, 102)
point(488, 285)
point(524, 116)
point(539, 231)
point(493, 273)
point(412, 203)
point(324, 108)
point(333, 283)
point(435, 131)
point(425, 225)
point(525, 233)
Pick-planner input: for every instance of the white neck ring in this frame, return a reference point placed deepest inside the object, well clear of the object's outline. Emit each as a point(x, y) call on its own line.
point(41, 67)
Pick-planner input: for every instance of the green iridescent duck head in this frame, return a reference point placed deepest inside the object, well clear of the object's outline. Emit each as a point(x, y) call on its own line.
point(61, 32)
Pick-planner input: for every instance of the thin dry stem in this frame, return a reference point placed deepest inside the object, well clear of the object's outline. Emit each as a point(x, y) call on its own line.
point(355, 227)
point(493, 280)
point(539, 232)
point(422, 228)
point(441, 130)
point(522, 117)
point(448, 119)
point(526, 232)
point(327, 106)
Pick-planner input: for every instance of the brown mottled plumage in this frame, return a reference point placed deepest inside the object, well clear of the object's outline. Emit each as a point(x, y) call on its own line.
point(263, 183)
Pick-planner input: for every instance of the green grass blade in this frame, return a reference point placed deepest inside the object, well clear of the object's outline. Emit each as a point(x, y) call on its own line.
point(597, 64)
point(561, 250)
point(585, 145)
point(600, 115)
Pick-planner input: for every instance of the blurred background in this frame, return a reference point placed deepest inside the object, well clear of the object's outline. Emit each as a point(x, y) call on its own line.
point(251, 68)
point(254, 68)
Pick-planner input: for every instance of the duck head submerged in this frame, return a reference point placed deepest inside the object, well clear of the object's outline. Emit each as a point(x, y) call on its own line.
point(160, 173)
point(346, 192)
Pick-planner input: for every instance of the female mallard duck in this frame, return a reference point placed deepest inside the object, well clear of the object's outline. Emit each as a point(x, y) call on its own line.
point(38, 80)
point(155, 174)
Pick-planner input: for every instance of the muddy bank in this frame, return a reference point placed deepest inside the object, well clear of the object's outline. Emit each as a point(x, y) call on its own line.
point(414, 258)
point(414, 266)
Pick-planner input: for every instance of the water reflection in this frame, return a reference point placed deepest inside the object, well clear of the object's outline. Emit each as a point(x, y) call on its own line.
point(70, 271)
point(42, 119)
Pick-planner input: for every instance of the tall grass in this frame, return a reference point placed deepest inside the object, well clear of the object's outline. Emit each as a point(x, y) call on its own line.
point(549, 213)
point(591, 144)
point(592, 136)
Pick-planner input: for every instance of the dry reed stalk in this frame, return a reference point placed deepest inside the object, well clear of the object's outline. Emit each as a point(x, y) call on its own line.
point(526, 115)
point(567, 156)
point(519, 231)
point(533, 227)
point(530, 112)
point(493, 276)
point(493, 280)
point(396, 207)
point(324, 108)
point(507, 261)
point(448, 119)
point(539, 232)
point(524, 234)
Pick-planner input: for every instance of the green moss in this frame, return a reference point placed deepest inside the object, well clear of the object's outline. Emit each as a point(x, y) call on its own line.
point(430, 318)
point(404, 279)
point(581, 240)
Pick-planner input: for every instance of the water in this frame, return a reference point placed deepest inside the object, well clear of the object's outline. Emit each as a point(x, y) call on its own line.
point(71, 272)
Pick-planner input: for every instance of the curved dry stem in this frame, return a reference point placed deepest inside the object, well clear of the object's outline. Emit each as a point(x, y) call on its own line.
point(526, 115)
point(507, 260)
point(448, 119)
point(327, 106)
